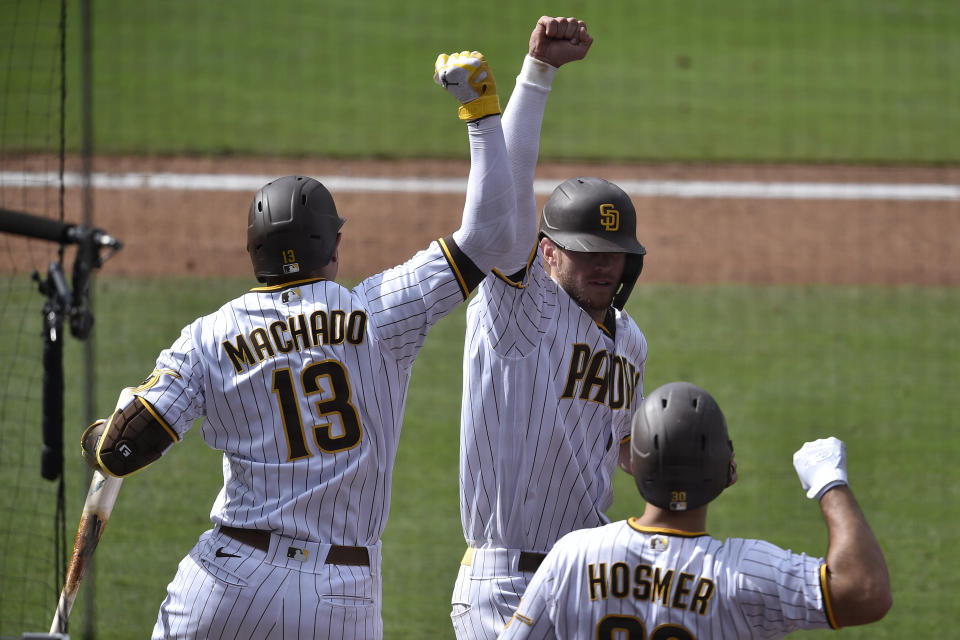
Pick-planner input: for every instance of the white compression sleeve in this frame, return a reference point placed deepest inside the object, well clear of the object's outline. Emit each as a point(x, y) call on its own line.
point(488, 228)
point(522, 121)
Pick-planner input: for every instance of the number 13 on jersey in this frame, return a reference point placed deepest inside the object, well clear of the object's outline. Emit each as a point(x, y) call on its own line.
point(337, 408)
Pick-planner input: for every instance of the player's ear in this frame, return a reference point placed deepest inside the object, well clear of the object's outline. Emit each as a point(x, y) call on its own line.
point(329, 271)
point(336, 248)
point(549, 250)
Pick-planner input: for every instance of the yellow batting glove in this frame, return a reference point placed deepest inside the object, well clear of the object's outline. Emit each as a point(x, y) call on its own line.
point(467, 77)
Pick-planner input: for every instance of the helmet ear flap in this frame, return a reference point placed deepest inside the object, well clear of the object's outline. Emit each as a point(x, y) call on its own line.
point(631, 271)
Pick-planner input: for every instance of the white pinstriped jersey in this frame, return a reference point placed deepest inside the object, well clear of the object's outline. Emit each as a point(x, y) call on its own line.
point(303, 386)
point(628, 581)
point(548, 395)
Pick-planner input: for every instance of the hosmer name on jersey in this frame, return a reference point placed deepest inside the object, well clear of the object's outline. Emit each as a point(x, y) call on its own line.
point(650, 584)
point(296, 333)
point(601, 377)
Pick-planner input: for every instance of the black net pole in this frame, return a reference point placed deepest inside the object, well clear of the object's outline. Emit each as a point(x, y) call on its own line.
point(58, 295)
point(51, 458)
point(86, 93)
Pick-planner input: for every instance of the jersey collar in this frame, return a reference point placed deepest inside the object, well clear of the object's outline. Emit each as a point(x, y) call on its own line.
point(609, 324)
point(636, 526)
point(284, 285)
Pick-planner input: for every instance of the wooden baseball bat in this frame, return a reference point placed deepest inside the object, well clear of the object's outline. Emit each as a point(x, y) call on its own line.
point(96, 511)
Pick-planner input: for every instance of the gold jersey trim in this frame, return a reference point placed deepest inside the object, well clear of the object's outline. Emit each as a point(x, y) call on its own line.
point(634, 523)
point(827, 605)
point(284, 285)
point(518, 284)
point(454, 267)
point(507, 280)
point(522, 618)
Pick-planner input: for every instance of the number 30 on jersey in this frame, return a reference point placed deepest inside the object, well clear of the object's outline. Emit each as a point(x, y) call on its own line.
point(615, 626)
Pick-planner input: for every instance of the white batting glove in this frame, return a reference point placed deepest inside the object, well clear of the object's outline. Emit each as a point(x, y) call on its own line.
point(821, 465)
point(467, 77)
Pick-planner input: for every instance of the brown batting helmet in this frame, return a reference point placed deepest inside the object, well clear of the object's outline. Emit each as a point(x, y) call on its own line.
point(291, 229)
point(679, 447)
point(595, 216)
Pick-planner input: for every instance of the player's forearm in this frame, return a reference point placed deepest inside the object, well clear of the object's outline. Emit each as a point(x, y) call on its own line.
point(488, 229)
point(523, 120)
point(858, 579)
point(522, 124)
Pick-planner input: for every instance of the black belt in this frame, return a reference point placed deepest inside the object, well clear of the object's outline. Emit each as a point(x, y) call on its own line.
point(338, 554)
point(530, 560)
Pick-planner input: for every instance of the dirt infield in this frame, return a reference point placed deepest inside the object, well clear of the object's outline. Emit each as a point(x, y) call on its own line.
point(689, 240)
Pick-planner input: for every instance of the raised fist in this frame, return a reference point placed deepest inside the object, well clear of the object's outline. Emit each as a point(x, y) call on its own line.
point(467, 77)
point(558, 41)
point(821, 465)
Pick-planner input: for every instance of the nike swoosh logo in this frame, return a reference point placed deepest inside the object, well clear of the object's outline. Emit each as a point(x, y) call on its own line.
point(221, 554)
point(641, 454)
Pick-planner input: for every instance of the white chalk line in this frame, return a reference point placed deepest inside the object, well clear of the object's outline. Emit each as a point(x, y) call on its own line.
point(344, 184)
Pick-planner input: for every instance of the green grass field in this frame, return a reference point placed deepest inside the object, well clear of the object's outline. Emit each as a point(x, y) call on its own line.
point(875, 366)
point(791, 80)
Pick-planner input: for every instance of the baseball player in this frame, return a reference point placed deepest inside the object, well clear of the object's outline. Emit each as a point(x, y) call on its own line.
point(553, 366)
point(302, 385)
point(662, 576)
